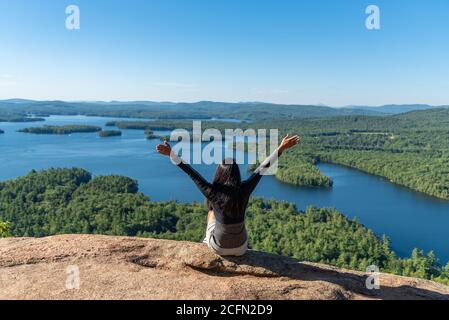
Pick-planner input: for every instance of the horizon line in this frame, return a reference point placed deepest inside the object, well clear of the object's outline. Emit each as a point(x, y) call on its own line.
point(228, 102)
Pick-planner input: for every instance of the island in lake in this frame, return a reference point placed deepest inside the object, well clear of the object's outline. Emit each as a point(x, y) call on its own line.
point(109, 133)
point(18, 117)
point(66, 129)
point(167, 125)
point(152, 136)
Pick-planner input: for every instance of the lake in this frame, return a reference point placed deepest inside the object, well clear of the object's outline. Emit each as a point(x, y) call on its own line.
point(410, 219)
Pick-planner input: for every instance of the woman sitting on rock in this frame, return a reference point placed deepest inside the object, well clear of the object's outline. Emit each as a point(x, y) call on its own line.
point(227, 198)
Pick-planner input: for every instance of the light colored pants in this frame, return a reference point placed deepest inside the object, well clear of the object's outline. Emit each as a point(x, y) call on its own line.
point(210, 241)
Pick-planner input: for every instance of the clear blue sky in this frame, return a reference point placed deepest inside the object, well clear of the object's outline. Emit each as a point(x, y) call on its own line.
point(304, 52)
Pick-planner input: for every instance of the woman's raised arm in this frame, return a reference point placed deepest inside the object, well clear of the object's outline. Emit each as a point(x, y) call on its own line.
point(287, 143)
point(205, 187)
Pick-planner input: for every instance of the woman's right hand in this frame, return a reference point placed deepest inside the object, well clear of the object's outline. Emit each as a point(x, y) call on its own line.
point(164, 149)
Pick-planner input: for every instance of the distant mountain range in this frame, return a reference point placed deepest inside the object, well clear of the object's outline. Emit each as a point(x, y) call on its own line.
point(199, 110)
point(397, 108)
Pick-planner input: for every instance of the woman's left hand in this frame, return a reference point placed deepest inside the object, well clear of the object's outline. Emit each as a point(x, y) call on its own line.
point(289, 142)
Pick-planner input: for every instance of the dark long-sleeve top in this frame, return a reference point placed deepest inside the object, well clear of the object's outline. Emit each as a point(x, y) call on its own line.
point(231, 211)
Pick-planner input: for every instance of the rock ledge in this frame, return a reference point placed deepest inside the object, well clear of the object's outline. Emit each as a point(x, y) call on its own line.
point(136, 268)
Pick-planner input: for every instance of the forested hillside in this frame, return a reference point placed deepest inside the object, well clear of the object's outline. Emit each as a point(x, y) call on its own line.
point(69, 201)
point(411, 149)
point(169, 110)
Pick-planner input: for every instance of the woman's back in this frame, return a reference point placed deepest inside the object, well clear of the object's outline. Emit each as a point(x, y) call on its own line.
point(228, 198)
point(228, 202)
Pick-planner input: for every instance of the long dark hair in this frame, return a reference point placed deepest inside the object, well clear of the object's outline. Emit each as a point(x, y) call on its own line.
point(228, 180)
point(228, 174)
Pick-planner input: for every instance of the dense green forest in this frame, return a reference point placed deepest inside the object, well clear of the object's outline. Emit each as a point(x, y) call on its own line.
point(109, 133)
point(411, 149)
point(66, 129)
point(301, 172)
point(60, 201)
